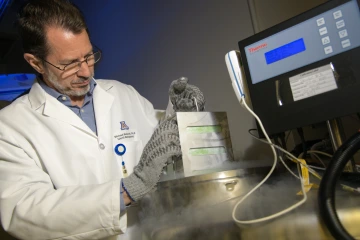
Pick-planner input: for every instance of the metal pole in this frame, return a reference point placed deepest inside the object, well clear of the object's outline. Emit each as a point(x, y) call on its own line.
point(337, 136)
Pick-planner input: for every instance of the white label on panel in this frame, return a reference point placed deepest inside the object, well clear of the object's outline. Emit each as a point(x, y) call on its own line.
point(340, 24)
point(320, 21)
point(337, 14)
point(343, 33)
point(313, 82)
point(323, 31)
point(345, 43)
point(328, 50)
point(325, 40)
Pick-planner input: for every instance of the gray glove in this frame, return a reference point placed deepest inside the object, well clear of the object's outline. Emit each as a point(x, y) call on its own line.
point(183, 95)
point(163, 144)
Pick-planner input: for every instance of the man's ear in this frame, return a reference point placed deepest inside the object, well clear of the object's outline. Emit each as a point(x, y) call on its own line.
point(34, 62)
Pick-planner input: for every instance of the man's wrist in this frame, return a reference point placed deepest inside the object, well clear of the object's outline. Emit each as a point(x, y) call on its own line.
point(126, 197)
point(125, 194)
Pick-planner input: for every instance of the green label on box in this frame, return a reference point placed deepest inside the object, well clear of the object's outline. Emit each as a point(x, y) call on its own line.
point(204, 129)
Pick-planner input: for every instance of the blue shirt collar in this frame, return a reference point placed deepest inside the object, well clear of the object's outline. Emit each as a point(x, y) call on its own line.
point(59, 96)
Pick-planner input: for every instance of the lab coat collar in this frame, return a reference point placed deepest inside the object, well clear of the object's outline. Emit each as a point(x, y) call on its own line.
point(42, 102)
point(36, 95)
point(102, 105)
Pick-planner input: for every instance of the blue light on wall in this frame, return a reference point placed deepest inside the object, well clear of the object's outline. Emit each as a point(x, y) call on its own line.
point(12, 85)
point(123, 30)
point(3, 6)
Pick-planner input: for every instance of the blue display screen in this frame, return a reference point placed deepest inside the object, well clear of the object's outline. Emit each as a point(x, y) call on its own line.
point(285, 51)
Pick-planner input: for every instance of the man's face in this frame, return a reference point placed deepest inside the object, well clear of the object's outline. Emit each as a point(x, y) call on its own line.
point(67, 47)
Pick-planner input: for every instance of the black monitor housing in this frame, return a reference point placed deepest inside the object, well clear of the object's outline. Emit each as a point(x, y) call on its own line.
point(305, 70)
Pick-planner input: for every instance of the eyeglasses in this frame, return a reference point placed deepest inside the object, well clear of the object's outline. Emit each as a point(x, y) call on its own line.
point(74, 67)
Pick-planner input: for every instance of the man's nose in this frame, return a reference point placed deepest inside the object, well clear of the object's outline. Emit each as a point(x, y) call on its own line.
point(84, 70)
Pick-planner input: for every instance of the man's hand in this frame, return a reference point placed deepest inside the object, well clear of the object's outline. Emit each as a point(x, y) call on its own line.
point(186, 97)
point(162, 146)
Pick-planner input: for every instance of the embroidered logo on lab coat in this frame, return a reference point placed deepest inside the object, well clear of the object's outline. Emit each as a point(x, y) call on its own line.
point(124, 126)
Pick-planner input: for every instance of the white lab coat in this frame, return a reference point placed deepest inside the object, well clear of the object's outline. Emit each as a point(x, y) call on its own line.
point(59, 180)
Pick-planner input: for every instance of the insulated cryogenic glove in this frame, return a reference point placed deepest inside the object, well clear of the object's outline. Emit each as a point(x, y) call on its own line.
point(162, 146)
point(186, 97)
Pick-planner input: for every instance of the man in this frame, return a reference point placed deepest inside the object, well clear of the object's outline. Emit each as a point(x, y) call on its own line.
point(75, 151)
